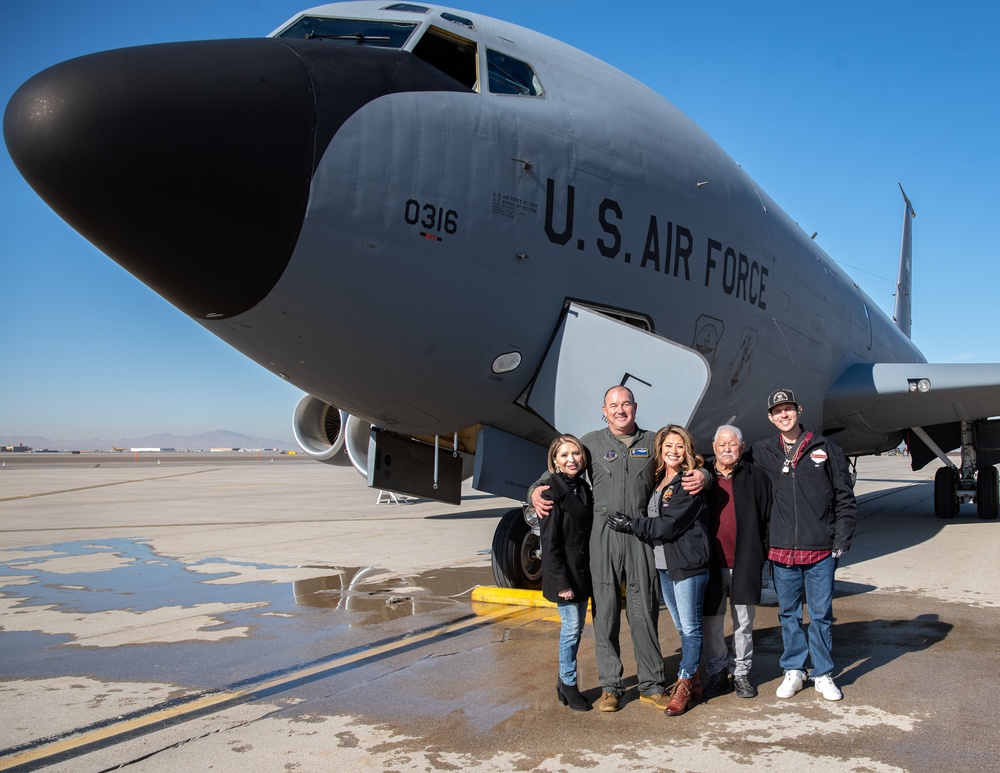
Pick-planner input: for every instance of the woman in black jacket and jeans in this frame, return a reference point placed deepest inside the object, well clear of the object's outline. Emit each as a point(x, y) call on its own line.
point(565, 537)
point(678, 529)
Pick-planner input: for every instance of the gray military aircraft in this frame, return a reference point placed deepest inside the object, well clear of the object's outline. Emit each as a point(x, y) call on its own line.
point(454, 233)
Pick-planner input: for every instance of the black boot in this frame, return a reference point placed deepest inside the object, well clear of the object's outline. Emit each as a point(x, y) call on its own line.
point(569, 695)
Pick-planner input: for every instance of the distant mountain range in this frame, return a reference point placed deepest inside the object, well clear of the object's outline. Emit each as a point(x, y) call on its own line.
point(203, 441)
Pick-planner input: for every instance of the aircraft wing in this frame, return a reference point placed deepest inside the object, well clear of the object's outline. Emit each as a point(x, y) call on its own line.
point(888, 397)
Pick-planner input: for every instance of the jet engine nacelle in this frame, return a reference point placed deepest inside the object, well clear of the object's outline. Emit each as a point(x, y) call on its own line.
point(323, 432)
point(319, 429)
point(327, 434)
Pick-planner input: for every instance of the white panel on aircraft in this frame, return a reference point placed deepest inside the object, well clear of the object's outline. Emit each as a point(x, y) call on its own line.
point(506, 464)
point(592, 352)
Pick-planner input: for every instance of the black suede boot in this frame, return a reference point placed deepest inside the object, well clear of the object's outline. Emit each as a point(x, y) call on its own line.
point(569, 695)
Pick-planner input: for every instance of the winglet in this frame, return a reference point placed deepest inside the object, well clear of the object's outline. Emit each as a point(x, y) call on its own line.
point(901, 313)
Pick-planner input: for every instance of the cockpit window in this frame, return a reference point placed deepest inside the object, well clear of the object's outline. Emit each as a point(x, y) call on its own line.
point(451, 54)
point(461, 21)
point(385, 34)
point(508, 75)
point(407, 8)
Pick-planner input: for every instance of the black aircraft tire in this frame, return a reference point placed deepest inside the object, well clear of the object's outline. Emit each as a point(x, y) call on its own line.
point(946, 492)
point(987, 491)
point(514, 548)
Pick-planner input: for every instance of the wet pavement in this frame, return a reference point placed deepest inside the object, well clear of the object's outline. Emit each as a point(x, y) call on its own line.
point(243, 617)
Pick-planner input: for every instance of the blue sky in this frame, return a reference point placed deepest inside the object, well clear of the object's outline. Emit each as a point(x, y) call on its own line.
point(826, 106)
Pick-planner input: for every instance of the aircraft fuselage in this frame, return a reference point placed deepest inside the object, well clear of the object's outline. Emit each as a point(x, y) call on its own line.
point(429, 225)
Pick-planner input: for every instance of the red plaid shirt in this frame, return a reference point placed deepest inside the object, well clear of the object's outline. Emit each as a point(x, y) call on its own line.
point(789, 557)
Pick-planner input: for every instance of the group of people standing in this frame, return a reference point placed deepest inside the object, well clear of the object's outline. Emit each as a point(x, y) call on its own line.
point(656, 522)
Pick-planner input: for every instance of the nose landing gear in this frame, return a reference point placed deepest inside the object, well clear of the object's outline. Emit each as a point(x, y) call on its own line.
point(517, 553)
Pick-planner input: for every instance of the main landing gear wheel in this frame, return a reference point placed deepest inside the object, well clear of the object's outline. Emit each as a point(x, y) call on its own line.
point(516, 555)
point(946, 492)
point(987, 490)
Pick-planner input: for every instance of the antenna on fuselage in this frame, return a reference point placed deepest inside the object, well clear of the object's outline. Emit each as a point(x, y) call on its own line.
point(901, 313)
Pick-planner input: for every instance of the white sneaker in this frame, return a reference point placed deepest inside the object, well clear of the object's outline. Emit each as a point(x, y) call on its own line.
point(792, 683)
point(826, 686)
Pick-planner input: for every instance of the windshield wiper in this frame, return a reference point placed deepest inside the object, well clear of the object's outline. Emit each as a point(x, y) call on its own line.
point(358, 37)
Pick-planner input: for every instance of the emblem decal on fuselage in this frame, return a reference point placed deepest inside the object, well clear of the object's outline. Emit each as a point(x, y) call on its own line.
point(739, 367)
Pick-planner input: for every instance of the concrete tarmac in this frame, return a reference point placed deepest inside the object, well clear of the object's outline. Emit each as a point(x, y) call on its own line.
point(244, 615)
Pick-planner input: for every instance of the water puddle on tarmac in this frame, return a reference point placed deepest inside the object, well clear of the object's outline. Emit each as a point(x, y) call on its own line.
point(375, 591)
point(111, 593)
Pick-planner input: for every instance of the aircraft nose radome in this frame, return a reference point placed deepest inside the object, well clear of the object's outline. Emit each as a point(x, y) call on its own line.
point(187, 163)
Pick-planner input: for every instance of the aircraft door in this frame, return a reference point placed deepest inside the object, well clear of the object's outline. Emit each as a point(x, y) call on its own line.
point(591, 352)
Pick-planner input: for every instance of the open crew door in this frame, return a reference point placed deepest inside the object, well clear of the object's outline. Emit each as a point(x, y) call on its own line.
point(591, 352)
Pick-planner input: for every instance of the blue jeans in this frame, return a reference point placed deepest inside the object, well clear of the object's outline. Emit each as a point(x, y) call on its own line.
point(573, 615)
point(685, 600)
point(812, 583)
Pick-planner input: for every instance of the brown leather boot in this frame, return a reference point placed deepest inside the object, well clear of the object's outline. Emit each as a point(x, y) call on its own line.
point(696, 693)
point(682, 699)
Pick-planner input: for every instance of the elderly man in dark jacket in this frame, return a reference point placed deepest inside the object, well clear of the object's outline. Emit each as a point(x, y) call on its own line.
point(741, 504)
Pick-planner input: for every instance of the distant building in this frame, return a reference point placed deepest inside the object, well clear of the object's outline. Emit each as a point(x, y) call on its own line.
point(146, 450)
point(222, 450)
point(22, 449)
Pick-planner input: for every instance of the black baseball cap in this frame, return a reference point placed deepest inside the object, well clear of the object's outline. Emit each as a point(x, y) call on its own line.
point(780, 396)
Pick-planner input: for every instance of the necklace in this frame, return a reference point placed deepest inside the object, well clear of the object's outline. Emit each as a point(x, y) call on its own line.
point(789, 447)
point(792, 450)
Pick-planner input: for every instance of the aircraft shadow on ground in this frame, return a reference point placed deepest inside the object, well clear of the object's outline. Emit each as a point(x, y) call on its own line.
point(872, 644)
point(469, 515)
point(470, 497)
point(843, 589)
point(894, 521)
point(867, 645)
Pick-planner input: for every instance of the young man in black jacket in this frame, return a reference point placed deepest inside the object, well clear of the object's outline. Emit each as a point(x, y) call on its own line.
point(813, 514)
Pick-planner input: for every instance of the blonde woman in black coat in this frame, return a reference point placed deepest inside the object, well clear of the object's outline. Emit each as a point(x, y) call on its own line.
point(565, 536)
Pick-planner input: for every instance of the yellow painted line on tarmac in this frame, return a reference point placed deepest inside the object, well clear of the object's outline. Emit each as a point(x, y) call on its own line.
point(74, 745)
point(366, 654)
point(119, 728)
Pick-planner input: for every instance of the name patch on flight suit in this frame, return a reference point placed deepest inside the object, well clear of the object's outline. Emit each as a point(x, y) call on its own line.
point(644, 452)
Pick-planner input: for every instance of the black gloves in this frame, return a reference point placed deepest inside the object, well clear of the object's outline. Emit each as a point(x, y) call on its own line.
point(620, 522)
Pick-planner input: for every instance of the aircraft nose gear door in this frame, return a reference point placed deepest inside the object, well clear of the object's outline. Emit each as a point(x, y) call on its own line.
point(591, 352)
